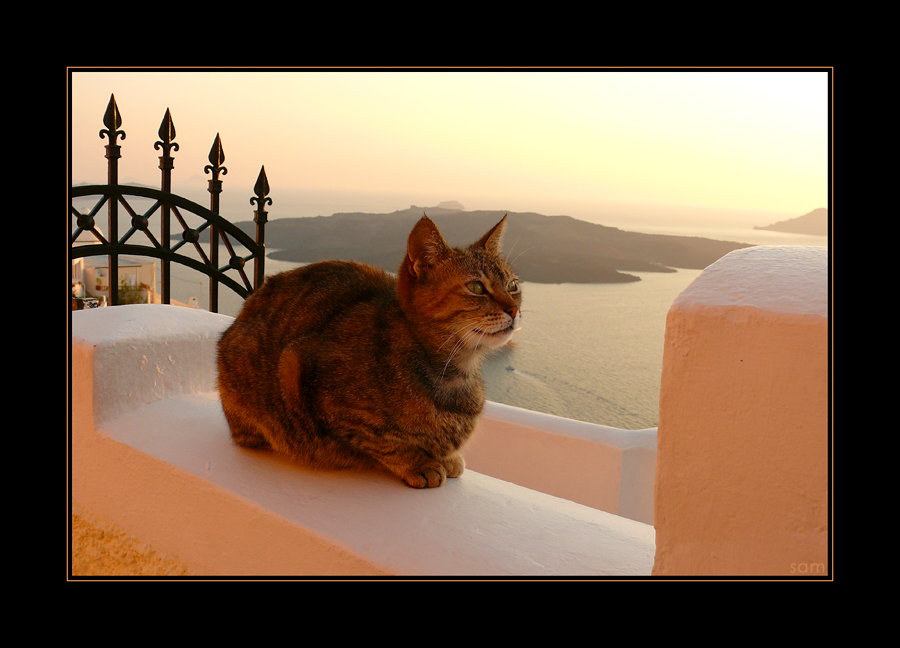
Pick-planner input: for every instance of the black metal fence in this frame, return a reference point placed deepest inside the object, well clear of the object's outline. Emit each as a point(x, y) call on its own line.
point(166, 204)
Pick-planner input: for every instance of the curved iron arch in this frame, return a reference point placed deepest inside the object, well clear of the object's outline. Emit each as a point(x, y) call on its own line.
point(85, 222)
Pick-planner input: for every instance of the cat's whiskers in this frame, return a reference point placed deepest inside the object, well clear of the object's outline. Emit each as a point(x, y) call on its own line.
point(461, 343)
point(520, 254)
point(463, 323)
point(509, 253)
point(450, 357)
point(534, 327)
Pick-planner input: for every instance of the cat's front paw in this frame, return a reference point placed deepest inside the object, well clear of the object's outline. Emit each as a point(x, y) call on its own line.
point(435, 473)
point(430, 475)
point(454, 465)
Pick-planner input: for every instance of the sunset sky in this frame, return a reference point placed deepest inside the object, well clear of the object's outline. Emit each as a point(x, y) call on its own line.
point(722, 143)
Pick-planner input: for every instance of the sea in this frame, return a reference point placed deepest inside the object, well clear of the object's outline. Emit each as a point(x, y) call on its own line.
point(591, 352)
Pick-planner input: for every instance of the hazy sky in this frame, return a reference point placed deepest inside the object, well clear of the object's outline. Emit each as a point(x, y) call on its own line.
point(545, 141)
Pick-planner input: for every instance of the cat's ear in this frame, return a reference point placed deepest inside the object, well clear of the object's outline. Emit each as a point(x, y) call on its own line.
point(492, 240)
point(425, 247)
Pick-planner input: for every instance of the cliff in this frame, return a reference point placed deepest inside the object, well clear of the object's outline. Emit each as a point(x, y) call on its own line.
point(542, 249)
point(815, 222)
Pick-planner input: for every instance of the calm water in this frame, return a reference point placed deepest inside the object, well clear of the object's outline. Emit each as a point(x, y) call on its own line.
point(590, 352)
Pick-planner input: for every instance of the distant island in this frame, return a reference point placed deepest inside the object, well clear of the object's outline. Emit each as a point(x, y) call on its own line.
point(815, 222)
point(451, 205)
point(542, 249)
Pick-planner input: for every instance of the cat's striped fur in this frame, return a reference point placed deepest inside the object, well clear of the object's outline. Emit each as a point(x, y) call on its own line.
point(340, 364)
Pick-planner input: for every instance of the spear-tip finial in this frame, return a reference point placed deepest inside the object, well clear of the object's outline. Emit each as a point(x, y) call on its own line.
point(216, 157)
point(167, 128)
point(166, 135)
point(262, 191)
point(216, 154)
point(112, 120)
point(262, 184)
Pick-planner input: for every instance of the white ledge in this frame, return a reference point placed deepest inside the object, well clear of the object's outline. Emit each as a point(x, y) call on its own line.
point(787, 280)
point(156, 459)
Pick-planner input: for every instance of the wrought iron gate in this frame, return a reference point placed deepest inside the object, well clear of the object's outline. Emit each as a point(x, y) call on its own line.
point(166, 204)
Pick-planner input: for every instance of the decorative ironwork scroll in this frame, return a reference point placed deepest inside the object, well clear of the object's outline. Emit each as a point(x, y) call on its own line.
point(165, 204)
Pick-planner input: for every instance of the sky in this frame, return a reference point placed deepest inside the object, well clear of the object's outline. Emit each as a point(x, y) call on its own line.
point(749, 146)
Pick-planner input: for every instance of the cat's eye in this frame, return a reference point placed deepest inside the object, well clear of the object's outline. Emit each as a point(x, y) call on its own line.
point(512, 287)
point(475, 287)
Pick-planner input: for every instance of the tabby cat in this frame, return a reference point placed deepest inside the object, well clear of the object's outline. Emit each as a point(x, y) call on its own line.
point(339, 364)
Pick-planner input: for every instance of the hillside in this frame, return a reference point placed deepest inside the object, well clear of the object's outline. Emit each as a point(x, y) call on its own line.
point(815, 222)
point(542, 249)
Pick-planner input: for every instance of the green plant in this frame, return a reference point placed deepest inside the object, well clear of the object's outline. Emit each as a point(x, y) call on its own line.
point(129, 294)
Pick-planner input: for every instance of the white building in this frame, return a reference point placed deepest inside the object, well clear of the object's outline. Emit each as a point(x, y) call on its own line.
point(137, 279)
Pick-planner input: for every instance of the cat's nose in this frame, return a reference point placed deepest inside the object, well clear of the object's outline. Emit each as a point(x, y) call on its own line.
point(512, 312)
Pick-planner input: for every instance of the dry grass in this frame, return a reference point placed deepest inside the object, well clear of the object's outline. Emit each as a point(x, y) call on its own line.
point(100, 549)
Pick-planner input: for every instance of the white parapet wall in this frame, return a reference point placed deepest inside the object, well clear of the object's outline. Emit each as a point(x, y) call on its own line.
point(151, 454)
point(743, 436)
point(603, 467)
